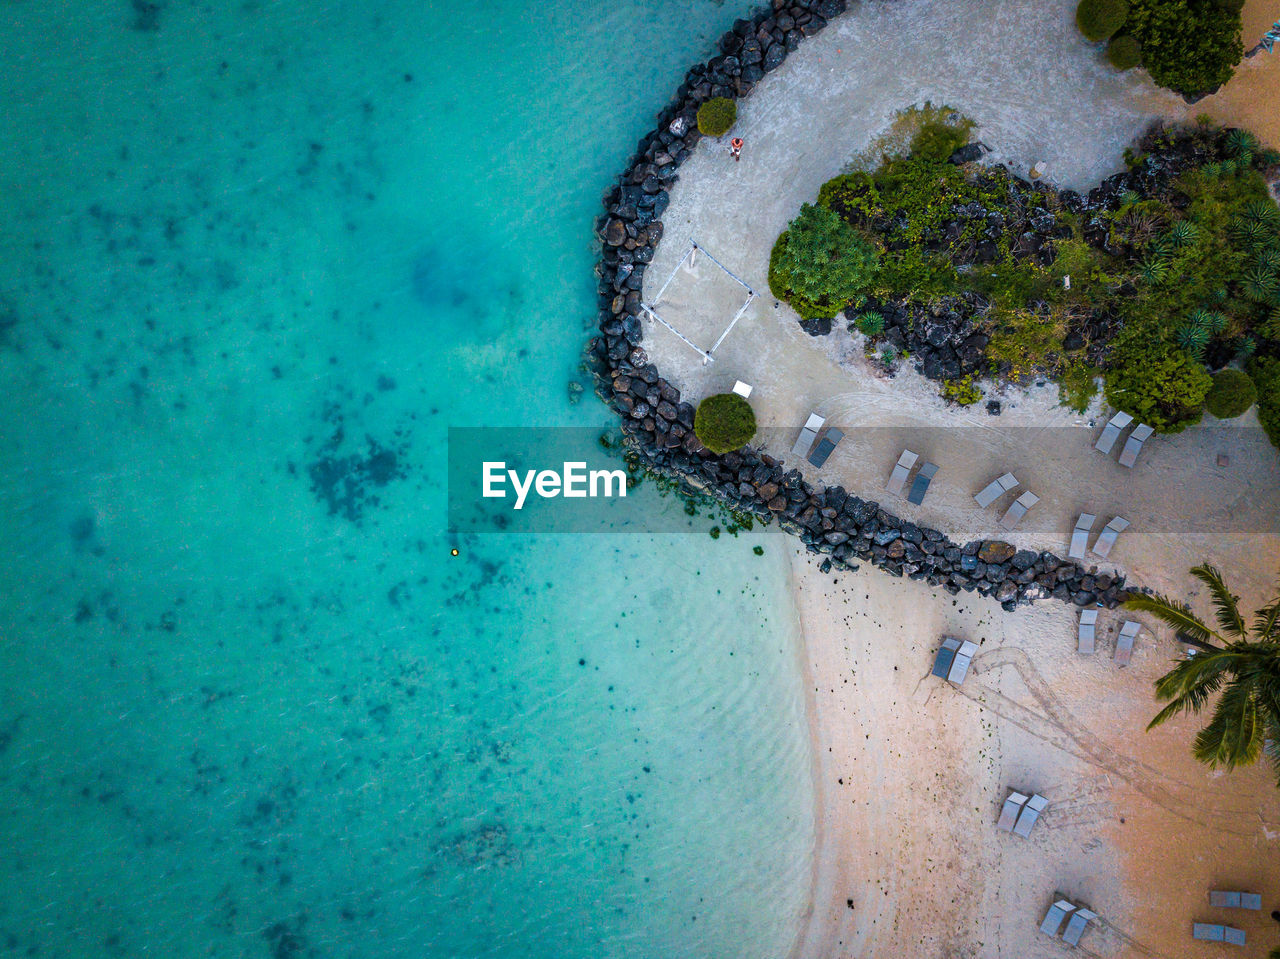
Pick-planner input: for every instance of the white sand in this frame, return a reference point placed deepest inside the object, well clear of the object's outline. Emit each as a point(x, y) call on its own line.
point(909, 834)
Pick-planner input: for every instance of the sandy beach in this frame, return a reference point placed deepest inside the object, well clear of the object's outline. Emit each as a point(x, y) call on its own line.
point(910, 771)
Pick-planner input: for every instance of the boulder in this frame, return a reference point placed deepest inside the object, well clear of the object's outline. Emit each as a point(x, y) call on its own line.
point(996, 551)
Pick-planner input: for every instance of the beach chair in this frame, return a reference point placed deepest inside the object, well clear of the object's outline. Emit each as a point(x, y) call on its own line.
point(1133, 445)
point(1009, 812)
point(1124, 643)
point(921, 484)
point(1233, 935)
point(1235, 900)
point(1075, 927)
point(1018, 509)
point(1250, 900)
point(1088, 631)
point(1111, 432)
point(946, 656)
point(1053, 918)
point(1107, 538)
point(960, 665)
point(899, 476)
point(742, 389)
point(808, 434)
point(825, 446)
point(1207, 931)
point(1080, 536)
point(995, 489)
point(1030, 813)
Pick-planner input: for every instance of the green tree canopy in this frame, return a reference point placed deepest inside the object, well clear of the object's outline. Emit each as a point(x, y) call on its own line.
point(823, 260)
point(1156, 382)
point(724, 422)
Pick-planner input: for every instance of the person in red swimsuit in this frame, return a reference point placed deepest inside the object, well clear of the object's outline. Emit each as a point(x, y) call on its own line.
point(735, 148)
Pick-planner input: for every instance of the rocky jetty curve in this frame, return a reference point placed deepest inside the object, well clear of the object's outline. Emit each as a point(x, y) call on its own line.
point(658, 425)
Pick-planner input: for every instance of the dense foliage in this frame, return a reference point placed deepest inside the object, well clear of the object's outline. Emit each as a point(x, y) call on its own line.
point(1124, 52)
point(1100, 19)
point(1157, 383)
point(724, 422)
point(821, 263)
point(1230, 395)
point(717, 116)
point(1266, 376)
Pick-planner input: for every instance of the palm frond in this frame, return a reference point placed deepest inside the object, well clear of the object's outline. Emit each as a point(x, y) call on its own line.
point(1266, 624)
point(1230, 621)
point(1177, 615)
point(1233, 736)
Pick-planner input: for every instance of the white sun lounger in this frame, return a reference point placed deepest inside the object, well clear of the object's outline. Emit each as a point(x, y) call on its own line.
point(1088, 631)
point(1030, 813)
point(1018, 510)
point(742, 389)
point(960, 666)
point(921, 484)
point(1235, 900)
point(995, 489)
point(1107, 538)
point(1124, 642)
point(1075, 927)
point(1112, 431)
point(946, 656)
point(807, 435)
point(1053, 918)
point(825, 447)
point(899, 476)
point(1133, 445)
point(1009, 812)
point(1080, 536)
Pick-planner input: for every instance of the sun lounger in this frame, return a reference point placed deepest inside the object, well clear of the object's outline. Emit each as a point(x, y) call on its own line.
point(1233, 936)
point(1009, 813)
point(1112, 431)
point(1107, 538)
point(1075, 927)
point(1250, 900)
point(1208, 931)
point(1133, 446)
point(1018, 510)
point(1053, 918)
point(1087, 634)
point(1030, 813)
point(807, 435)
point(960, 666)
point(1080, 536)
point(899, 477)
point(742, 389)
point(946, 656)
point(825, 446)
point(921, 484)
point(1124, 643)
point(995, 489)
point(1235, 900)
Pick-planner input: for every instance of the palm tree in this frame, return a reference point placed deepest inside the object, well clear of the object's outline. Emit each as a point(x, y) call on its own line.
point(1241, 662)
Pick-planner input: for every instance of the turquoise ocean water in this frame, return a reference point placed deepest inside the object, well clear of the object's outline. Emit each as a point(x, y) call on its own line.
point(255, 259)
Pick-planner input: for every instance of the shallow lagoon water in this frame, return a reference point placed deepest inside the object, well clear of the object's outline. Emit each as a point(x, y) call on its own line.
point(256, 259)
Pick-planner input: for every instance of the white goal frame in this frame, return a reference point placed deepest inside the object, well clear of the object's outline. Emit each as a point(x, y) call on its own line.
point(688, 260)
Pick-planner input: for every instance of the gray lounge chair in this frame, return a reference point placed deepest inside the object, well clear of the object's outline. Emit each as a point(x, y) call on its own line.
point(1207, 931)
point(1009, 812)
point(1235, 900)
point(828, 443)
point(1088, 631)
point(1133, 445)
point(1250, 900)
point(1080, 536)
point(808, 434)
point(1107, 538)
point(1233, 936)
point(1112, 431)
point(995, 489)
point(899, 476)
point(1075, 927)
point(1030, 813)
point(960, 666)
point(1014, 514)
point(946, 656)
point(921, 484)
point(1124, 643)
point(1053, 918)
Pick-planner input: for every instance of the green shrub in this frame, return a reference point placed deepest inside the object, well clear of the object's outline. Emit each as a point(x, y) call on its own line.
point(1100, 19)
point(1230, 395)
point(936, 141)
point(821, 262)
point(1189, 47)
point(724, 422)
point(1124, 52)
point(1156, 382)
point(717, 116)
point(1266, 377)
point(870, 323)
point(962, 392)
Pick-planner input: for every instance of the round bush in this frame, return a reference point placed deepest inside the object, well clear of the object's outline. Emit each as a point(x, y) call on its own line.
point(1100, 19)
point(716, 116)
point(1124, 52)
point(724, 422)
point(1230, 395)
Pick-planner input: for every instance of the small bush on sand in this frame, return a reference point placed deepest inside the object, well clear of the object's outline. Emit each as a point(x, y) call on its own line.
point(1230, 395)
point(936, 141)
point(1100, 19)
point(716, 116)
point(1124, 52)
point(724, 422)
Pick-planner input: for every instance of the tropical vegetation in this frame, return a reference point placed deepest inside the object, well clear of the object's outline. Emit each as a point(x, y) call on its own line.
point(1230, 395)
point(717, 116)
point(724, 422)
